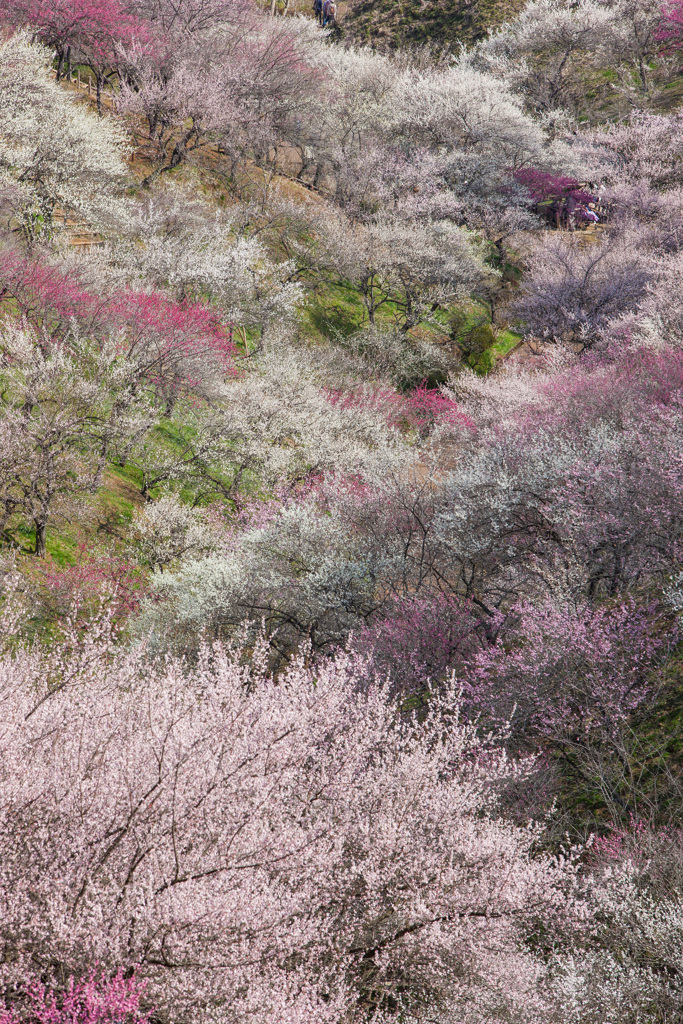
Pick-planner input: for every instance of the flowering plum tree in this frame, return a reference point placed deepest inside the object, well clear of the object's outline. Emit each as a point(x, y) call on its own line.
point(547, 53)
point(401, 359)
point(44, 297)
point(91, 584)
point(571, 293)
point(49, 410)
point(206, 258)
point(105, 37)
point(634, 41)
point(424, 640)
point(417, 270)
point(95, 999)
point(53, 152)
point(300, 574)
point(671, 27)
point(236, 89)
point(93, 31)
point(64, 406)
point(290, 850)
point(167, 530)
point(175, 347)
point(587, 668)
point(557, 197)
point(188, 16)
point(644, 147)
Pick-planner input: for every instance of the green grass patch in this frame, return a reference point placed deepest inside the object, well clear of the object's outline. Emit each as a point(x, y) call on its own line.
point(336, 310)
point(505, 342)
point(62, 547)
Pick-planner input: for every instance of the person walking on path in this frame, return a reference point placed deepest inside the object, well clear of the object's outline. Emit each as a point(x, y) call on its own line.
point(318, 10)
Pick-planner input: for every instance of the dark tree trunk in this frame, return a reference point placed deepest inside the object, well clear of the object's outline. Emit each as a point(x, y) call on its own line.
point(41, 530)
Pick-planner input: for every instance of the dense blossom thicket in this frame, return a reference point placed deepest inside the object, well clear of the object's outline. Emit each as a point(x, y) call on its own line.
point(341, 518)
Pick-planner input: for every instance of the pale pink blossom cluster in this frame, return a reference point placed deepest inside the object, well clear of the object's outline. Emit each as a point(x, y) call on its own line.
point(260, 846)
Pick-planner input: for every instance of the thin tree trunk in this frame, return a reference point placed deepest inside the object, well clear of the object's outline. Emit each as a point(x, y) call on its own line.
point(41, 530)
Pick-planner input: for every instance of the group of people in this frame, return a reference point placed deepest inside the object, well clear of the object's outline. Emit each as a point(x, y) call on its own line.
point(325, 12)
point(567, 212)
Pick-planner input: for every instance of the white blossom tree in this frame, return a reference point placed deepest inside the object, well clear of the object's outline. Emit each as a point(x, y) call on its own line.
point(55, 154)
point(414, 269)
point(64, 409)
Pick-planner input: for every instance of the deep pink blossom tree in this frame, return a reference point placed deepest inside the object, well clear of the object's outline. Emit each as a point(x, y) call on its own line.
point(568, 672)
point(421, 641)
point(561, 199)
point(176, 346)
point(45, 297)
point(670, 31)
point(94, 999)
point(422, 409)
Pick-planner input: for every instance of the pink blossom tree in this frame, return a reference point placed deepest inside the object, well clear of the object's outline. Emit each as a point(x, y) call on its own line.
point(238, 90)
point(558, 197)
point(579, 671)
point(290, 849)
point(171, 347)
point(645, 147)
point(671, 26)
point(95, 999)
point(93, 31)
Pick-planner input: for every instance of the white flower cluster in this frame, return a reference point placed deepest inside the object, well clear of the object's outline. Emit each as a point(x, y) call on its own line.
point(54, 151)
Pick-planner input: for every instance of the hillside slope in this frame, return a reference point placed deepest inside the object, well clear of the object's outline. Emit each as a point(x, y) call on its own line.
point(398, 23)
